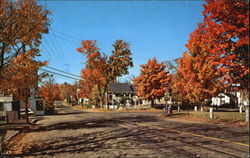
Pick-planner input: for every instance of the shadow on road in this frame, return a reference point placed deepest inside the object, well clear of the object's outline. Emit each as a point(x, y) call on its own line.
point(67, 113)
point(95, 123)
point(121, 134)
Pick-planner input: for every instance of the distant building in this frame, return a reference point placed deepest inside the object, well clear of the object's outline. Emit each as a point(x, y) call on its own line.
point(122, 94)
point(9, 103)
point(225, 99)
point(232, 99)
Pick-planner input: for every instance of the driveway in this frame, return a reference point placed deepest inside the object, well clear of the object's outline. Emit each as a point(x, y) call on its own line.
point(76, 133)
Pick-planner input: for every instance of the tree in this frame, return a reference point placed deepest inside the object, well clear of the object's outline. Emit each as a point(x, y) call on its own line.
point(119, 61)
point(171, 65)
point(72, 89)
point(69, 92)
point(217, 54)
point(94, 72)
point(196, 79)
point(153, 81)
point(22, 25)
point(50, 91)
point(226, 25)
point(64, 94)
point(100, 69)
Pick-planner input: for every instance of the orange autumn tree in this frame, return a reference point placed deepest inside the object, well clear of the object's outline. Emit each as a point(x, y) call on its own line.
point(199, 70)
point(217, 52)
point(69, 92)
point(100, 69)
point(177, 88)
point(50, 91)
point(90, 89)
point(94, 72)
point(153, 81)
point(180, 81)
point(64, 94)
point(72, 89)
point(227, 39)
point(23, 71)
point(22, 25)
point(196, 80)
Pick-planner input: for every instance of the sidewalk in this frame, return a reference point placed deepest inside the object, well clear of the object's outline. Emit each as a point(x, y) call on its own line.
point(8, 131)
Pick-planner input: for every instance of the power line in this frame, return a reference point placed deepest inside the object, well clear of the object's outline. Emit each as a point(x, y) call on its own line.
point(51, 50)
point(58, 45)
point(54, 46)
point(51, 47)
point(62, 71)
point(64, 34)
point(67, 39)
point(60, 74)
point(46, 51)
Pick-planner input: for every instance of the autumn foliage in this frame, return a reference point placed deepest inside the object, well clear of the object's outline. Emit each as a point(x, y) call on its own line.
point(224, 37)
point(94, 72)
point(100, 69)
point(69, 92)
point(195, 80)
point(50, 92)
point(153, 81)
point(22, 25)
point(217, 55)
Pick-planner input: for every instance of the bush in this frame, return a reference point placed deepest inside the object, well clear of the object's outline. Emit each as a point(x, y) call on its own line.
point(86, 105)
point(49, 110)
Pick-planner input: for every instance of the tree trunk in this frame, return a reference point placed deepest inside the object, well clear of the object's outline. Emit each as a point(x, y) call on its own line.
point(107, 99)
point(26, 110)
point(100, 96)
point(152, 103)
point(2, 56)
point(101, 102)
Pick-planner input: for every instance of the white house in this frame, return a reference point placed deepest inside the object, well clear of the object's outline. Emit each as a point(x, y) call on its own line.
point(83, 101)
point(36, 102)
point(122, 94)
point(7, 103)
point(241, 101)
point(125, 95)
point(233, 99)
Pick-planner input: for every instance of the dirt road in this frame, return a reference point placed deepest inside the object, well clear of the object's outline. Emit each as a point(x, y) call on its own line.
point(117, 134)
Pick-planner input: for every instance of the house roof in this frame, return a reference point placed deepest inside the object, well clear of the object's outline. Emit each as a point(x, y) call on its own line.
point(121, 88)
point(230, 95)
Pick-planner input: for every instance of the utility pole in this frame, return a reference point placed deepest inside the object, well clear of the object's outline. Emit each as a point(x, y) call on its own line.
point(26, 105)
point(26, 93)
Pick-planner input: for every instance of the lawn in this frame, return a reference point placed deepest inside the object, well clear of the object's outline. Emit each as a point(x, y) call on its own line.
point(221, 116)
point(2, 121)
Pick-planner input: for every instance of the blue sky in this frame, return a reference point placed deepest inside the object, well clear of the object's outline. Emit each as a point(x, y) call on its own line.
point(153, 28)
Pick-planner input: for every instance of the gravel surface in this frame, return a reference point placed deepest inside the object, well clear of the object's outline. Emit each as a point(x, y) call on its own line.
point(75, 133)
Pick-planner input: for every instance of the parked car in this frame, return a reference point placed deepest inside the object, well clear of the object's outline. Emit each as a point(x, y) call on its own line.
point(22, 112)
point(158, 106)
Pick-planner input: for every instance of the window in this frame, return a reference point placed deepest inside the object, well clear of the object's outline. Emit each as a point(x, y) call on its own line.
point(223, 102)
point(1, 106)
point(39, 105)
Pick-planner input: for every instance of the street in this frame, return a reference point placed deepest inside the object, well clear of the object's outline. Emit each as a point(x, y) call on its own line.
point(76, 133)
